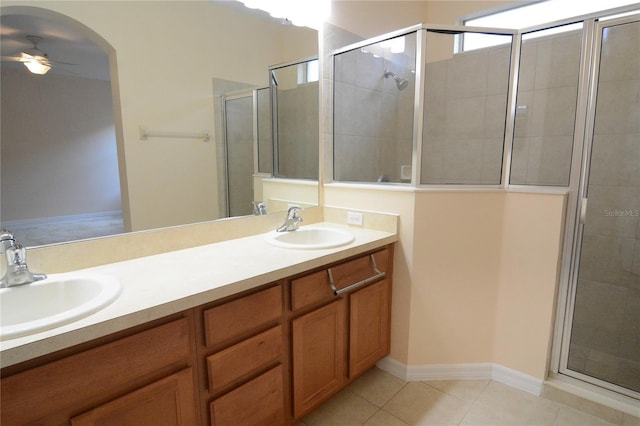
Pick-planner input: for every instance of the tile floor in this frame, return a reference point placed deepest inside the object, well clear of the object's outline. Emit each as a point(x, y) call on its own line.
point(380, 399)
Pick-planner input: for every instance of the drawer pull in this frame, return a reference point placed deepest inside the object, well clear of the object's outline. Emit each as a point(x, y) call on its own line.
point(364, 282)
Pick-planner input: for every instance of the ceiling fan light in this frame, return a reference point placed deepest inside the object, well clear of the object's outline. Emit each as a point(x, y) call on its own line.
point(37, 67)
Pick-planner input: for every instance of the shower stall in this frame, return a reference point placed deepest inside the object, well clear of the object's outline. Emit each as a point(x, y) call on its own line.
point(557, 105)
point(248, 147)
point(269, 132)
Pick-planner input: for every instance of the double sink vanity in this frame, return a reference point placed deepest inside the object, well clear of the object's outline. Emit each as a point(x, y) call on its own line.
point(253, 330)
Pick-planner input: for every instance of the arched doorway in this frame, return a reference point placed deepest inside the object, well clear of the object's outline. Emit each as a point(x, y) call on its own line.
point(63, 174)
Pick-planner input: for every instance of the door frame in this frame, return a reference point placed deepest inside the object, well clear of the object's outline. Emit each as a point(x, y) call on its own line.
point(577, 203)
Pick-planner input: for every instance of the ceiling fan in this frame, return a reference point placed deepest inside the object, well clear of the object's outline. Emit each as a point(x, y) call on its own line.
point(34, 59)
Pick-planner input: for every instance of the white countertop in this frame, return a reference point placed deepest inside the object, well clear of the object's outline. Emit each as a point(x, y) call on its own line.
point(160, 285)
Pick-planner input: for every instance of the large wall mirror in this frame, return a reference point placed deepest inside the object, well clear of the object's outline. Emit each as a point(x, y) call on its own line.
point(126, 131)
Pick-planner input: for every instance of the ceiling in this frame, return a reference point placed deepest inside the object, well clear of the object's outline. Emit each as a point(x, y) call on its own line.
point(62, 43)
point(59, 41)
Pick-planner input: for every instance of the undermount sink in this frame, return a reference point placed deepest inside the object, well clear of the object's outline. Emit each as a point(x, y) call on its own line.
point(57, 300)
point(310, 238)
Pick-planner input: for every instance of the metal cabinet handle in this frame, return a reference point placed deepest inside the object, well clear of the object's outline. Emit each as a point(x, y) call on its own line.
point(364, 282)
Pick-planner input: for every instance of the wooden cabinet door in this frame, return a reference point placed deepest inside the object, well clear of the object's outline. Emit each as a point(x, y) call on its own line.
point(167, 402)
point(318, 356)
point(369, 329)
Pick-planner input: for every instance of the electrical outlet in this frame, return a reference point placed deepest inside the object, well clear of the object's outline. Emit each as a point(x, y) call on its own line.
point(354, 218)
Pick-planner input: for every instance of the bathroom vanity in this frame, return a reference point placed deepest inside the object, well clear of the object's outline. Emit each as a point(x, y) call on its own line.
point(268, 352)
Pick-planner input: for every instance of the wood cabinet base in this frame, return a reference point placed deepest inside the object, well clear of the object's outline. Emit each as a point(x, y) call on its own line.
point(267, 357)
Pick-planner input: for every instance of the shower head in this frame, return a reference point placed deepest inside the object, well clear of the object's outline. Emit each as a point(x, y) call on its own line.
point(402, 83)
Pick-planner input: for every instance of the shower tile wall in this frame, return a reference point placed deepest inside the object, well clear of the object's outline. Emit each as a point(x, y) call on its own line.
point(298, 134)
point(464, 116)
point(373, 120)
point(605, 339)
point(545, 116)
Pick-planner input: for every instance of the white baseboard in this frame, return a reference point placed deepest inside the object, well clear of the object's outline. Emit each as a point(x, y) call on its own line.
point(517, 379)
point(393, 367)
point(480, 371)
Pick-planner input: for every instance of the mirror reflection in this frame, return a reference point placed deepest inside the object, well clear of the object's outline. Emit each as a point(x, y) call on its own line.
point(294, 91)
point(239, 140)
point(160, 67)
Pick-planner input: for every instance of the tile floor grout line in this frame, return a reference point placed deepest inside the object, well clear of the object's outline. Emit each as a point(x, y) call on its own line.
point(475, 401)
point(555, 419)
point(394, 394)
point(371, 416)
point(394, 416)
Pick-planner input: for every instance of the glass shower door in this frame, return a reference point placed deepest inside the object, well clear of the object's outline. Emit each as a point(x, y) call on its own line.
point(239, 140)
point(604, 343)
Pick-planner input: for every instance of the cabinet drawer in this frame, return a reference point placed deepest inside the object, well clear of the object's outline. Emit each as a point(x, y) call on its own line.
point(92, 374)
point(238, 317)
point(258, 402)
point(247, 356)
point(316, 287)
point(362, 268)
point(167, 401)
point(310, 289)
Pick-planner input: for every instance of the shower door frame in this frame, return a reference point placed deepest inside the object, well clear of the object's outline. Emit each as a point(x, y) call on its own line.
point(231, 96)
point(421, 31)
point(576, 212)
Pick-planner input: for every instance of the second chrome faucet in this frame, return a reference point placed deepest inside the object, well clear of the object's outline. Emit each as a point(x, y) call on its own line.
point(292, 220)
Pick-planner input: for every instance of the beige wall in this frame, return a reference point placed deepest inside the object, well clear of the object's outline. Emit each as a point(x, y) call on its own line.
point(450, 11)
point(372, 18)
point(167, 54)
point(486, 265)
point(369, 18)
point(456, 259)
point(529, 269)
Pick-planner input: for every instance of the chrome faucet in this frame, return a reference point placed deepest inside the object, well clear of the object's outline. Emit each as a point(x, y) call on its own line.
point(18, 272)
point(292, 220)
point(259, 208)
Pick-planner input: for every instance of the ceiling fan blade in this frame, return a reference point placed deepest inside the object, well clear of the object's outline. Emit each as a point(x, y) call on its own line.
point(59, 62)
point(12, 58)
point(25, 57)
